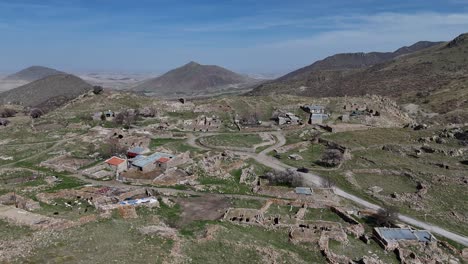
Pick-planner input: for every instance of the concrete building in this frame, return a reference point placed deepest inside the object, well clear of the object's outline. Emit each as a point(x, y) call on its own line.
point(314, 109)
point(136, 151)
point(117, 164)
point(390, 237)
point(288, 119)
point(151, 162)
point(317, 119)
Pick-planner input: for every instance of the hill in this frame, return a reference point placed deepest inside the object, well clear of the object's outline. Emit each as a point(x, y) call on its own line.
point(435, 77)
point(193, 79)
point(47, 93)
point(32, 73)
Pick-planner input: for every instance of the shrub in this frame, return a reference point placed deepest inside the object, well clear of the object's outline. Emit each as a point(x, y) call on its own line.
point(288, 178)
point(97, 89)
point(331, 158)
point(7, 113)
point(36, 113)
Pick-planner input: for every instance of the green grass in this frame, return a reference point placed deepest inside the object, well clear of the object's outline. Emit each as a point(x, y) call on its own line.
point(376, 136)
point(68, 182)
point(247, 203)
point(112, 240)
point(223, 248)
point(227, 186)
point(322, 214)
point(312, 154)
point(10, 232)
point(233, 140)
point(158, 142)
point(356, 249)
point(170, 215)
point(389, 183)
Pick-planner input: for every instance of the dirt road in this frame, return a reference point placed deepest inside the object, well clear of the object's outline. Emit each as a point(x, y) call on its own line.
point(315, 180)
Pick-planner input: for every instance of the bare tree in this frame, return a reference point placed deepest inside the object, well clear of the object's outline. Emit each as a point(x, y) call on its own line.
point(288, 177)
point(387, 215)
point(328, 183)
point(126, 117)
point(112, 148)
point(332, 158)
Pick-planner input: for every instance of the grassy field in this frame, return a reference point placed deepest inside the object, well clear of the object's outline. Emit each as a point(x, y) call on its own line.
point(233, 140)
point(112, 240)
point(237, 244)
point(442, 198)
point(356, 249)
point(310, 155)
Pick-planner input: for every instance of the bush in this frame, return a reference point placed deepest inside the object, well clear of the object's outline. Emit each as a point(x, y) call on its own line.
point(36, 113)
point(97, 89)
point(331, 158)
point(289, 178)
point(7, 113)
point(387, 216)
point(4, 122)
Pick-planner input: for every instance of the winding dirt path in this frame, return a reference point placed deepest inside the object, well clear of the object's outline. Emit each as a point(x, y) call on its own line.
point(316, 180)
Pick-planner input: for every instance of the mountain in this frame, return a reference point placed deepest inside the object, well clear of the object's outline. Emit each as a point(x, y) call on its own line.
point(32, 73)
point(349, 61)
point(193, 79)
point(47, 93)
point(434, 76)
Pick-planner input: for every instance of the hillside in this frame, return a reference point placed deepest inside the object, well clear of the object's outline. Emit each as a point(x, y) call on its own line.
point(435, 77)
point(32, 73)
point(193, 79)
point(349, 61)
point(47, 93)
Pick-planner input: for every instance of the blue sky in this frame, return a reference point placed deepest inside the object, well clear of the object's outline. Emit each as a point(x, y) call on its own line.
point(250, 36)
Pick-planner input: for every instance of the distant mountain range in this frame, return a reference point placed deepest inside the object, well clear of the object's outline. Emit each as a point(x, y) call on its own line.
point(432, 74)
point(47, 93)
point(194, 79)
point(32, 73)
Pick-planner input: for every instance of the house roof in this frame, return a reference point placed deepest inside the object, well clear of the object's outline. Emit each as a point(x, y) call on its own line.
point(304, 190)
point(115, 161)
point(144, 161)
point(315, 107)
point(137, 150)
point(164, 160)
point(395, 234)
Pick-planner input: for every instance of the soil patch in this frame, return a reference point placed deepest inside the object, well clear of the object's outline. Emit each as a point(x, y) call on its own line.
point(202, 208)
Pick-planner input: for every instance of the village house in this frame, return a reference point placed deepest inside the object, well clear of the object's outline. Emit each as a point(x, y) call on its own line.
point(136, 151)
point(390, 237)
point(288, 119)
point(107, 115)
point(117, 165)
point(152, 162)
point(314, 109)
point(317, 114)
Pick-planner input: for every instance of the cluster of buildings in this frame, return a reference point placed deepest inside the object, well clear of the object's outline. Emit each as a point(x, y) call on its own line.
point(138, 162)
point(317, 115)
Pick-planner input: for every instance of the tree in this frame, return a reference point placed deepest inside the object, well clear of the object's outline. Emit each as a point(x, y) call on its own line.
point(328, 183)
point(7, 112)
point(112, 148)
point(288, 177)
point(387, 215)
point(36, 113)
point(97, 89)
point(332, 158)
point(126, 117)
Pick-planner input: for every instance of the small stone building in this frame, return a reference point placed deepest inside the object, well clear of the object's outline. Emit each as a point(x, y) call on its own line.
point(117, 164)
